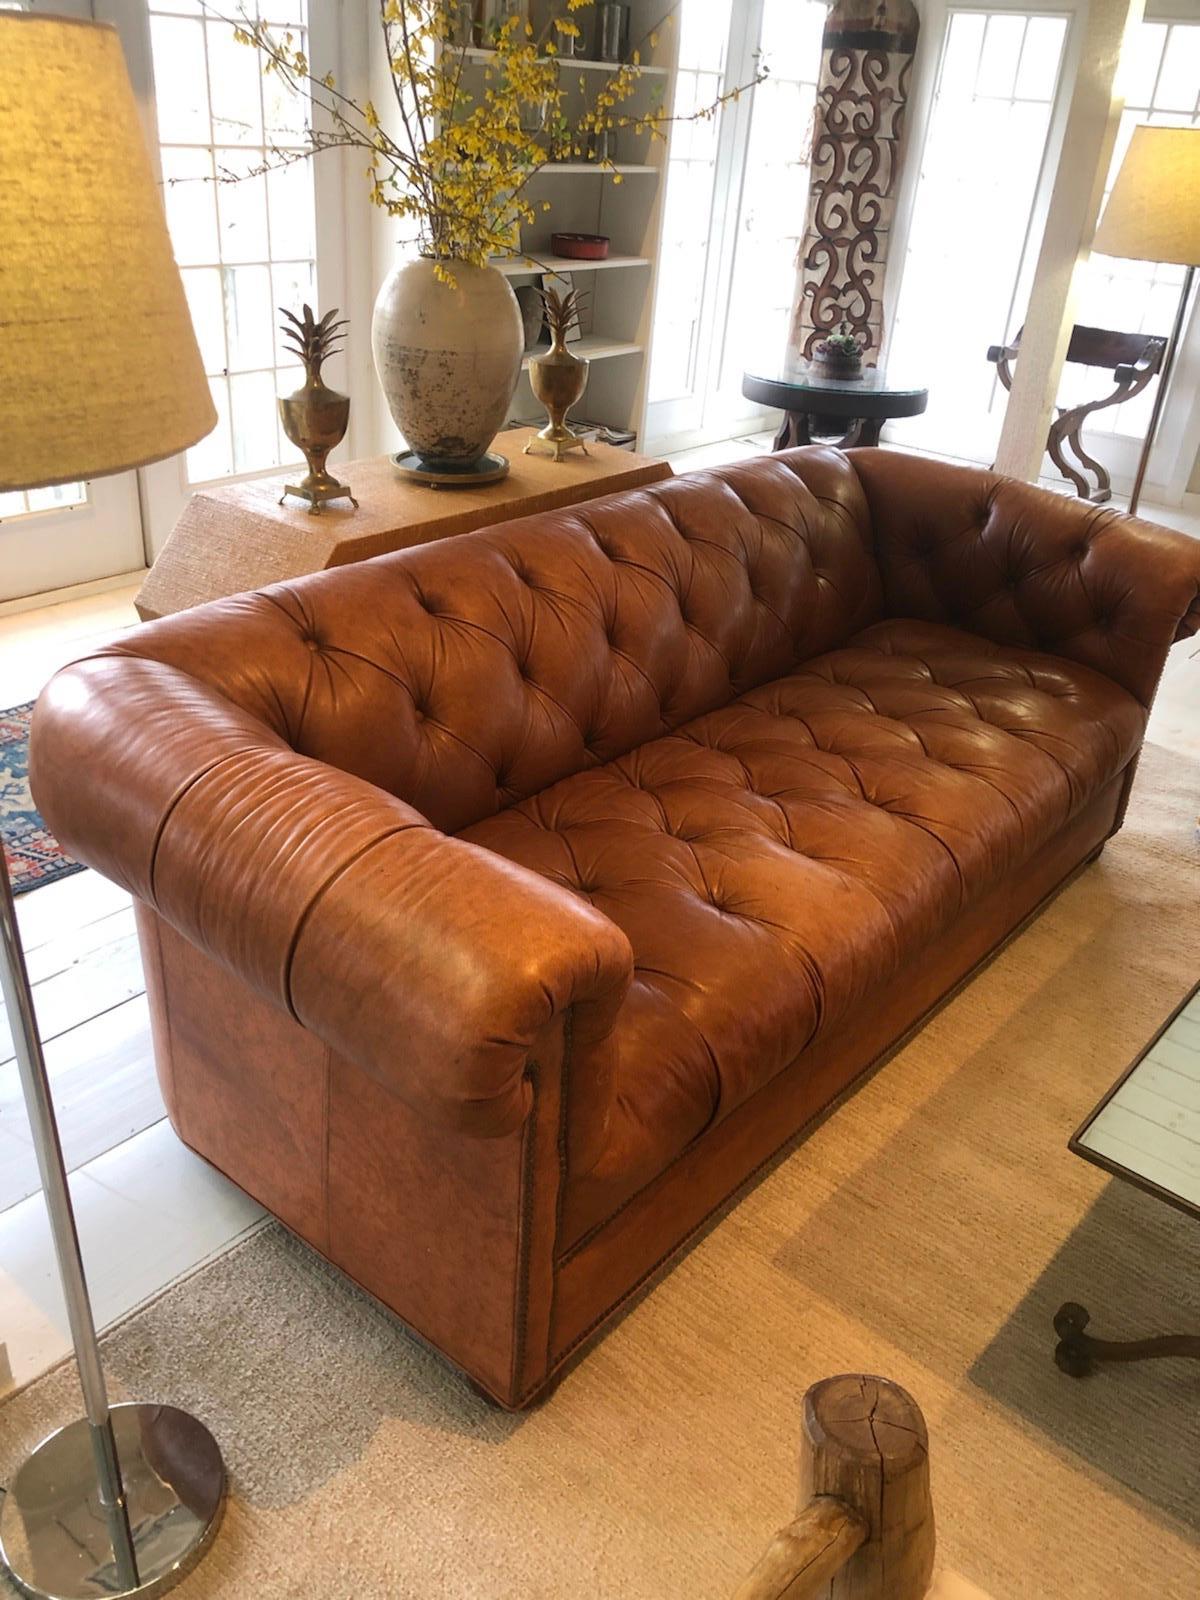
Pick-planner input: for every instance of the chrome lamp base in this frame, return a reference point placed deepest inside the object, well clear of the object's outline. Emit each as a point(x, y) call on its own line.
point(56, 1535)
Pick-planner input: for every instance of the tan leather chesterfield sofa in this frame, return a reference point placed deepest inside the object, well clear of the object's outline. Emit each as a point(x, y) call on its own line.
point(508, 901)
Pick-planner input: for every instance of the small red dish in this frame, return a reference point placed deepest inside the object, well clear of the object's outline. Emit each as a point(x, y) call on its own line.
point(580, 246)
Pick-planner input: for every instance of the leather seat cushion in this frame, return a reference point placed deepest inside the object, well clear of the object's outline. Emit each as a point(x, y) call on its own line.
point(773, 860)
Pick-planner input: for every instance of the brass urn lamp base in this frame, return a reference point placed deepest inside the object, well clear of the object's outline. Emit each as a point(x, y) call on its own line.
point(555, 439)
point(315, 417)
point(558, 378)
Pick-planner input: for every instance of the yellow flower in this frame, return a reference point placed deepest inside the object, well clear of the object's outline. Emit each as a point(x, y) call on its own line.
point(456, 157)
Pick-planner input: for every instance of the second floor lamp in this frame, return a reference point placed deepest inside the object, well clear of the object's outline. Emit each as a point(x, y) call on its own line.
point(1153, 214)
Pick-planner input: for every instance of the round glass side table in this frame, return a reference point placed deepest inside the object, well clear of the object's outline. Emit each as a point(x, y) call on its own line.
point(839, 411)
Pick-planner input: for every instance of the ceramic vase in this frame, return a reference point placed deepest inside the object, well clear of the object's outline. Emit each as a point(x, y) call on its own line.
point(448, 357)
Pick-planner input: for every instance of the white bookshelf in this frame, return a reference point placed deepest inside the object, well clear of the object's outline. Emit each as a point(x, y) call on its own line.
point(582, 198)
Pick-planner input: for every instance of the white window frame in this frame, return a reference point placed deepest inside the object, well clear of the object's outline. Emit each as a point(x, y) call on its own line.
point(704, 414)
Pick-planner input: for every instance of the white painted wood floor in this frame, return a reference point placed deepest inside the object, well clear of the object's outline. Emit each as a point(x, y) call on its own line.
point(150, 1211)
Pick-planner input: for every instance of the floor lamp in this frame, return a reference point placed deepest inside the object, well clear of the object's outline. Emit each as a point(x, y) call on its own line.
point(99, 373)
point(1153, 214)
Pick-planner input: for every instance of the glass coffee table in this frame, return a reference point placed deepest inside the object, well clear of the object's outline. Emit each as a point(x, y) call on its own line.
point(1147, 1131)
point(839, 411)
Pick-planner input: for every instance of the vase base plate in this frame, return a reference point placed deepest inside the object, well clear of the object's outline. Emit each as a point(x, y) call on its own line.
point(489, 468)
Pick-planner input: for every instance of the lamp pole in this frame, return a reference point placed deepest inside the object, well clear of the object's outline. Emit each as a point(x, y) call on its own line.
point(1161, 392)
point(156, 1478)
point(31, 1064)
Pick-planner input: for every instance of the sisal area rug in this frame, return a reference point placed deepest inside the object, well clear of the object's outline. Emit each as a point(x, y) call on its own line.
point(927, 1229)
point(34, 855)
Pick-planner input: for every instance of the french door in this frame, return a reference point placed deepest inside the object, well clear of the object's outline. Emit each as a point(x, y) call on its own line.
point(990, 96)
point(737, 189)
point(1162, 85)
point(988, 109)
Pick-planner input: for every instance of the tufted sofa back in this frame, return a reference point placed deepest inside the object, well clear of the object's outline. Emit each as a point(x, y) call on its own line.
point(1028, 569)
point(465, 675)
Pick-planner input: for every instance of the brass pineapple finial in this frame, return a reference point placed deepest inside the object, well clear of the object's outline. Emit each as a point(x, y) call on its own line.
point(314, 342)
point(562, 313)
point(315, 417)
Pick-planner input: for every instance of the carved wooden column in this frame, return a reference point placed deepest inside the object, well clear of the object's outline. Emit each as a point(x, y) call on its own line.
point(866, 61)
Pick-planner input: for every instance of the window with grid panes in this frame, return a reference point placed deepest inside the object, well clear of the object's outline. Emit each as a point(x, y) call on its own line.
point(970, 253)
point(690, 178)
point(244, 247)
point(1161, 76)
point(764, 197)
point(774, 199)
point(23, 502)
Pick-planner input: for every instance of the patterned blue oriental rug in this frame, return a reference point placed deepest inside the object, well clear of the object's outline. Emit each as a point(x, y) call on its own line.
point(34, 855)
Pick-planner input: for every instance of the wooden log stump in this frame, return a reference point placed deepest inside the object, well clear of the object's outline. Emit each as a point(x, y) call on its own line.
point(864, 1528)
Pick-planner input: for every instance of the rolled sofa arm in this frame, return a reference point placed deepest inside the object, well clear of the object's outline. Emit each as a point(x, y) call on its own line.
point(430, 962)
point(1022, 566)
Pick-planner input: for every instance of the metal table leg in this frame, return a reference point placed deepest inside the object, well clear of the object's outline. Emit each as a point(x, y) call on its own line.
point(1078, 1353)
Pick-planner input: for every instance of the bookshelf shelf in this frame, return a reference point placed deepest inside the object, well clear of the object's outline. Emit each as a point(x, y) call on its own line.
point(592, 347)
point(523, 266)
point(580, 63)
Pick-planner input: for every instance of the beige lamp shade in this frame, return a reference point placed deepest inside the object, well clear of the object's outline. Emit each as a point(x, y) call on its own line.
point(99, 367)
point(1153, 212)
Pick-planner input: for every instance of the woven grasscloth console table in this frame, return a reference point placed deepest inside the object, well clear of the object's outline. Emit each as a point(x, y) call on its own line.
point(236, 536)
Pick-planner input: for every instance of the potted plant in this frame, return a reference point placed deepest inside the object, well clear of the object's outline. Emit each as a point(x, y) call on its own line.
point(453, 165)
point(838, 355)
